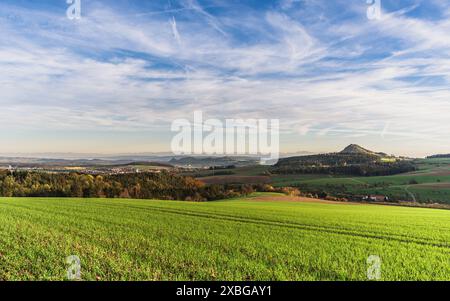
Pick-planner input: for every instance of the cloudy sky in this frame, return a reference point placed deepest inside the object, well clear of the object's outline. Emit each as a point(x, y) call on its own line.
point(114, 80)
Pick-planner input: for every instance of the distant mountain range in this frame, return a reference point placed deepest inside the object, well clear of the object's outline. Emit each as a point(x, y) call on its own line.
point(213, 161)
point(180, 161)
point(352, 154)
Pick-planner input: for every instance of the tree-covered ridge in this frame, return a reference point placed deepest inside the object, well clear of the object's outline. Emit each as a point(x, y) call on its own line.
point(440, 156)
point(164, 185)
point(361, 164)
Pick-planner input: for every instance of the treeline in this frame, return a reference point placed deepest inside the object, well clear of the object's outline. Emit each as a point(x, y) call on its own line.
point(373, 169)
point(440, 156)
point(164, 185)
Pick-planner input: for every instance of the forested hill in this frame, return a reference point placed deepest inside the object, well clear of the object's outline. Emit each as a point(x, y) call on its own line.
point(353, 160)
point(440, 156)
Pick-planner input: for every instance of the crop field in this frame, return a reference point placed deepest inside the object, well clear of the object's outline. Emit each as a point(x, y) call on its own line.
point(263, 237)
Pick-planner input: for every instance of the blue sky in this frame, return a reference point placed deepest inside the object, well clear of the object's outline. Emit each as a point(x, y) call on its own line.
point(113, 81)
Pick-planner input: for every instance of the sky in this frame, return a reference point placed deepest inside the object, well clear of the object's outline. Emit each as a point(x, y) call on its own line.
point(114, 80)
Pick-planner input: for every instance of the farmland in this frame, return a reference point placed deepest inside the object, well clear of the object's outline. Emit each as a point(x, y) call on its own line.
point(429, 184)
point(262, 237)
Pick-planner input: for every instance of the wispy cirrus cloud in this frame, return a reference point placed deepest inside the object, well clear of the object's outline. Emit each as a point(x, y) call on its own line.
point(124, 69)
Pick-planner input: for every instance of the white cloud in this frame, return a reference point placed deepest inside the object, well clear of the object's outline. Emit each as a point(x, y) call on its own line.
point(60, 78)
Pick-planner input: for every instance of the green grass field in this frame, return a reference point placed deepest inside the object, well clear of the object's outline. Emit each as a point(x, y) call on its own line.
point(240, 239)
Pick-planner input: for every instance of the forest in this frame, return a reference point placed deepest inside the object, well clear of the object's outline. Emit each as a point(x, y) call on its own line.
point(342, 164)
point(164, 186)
